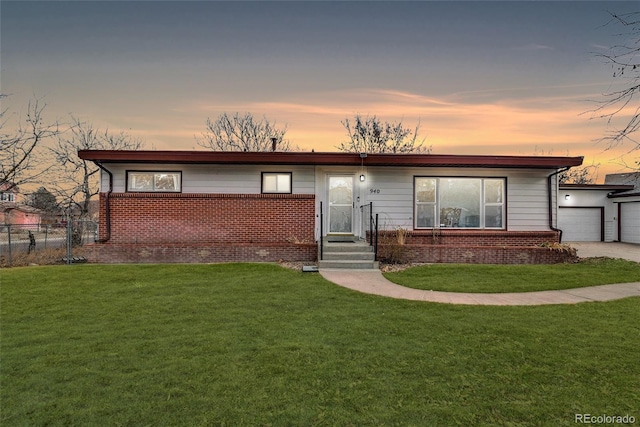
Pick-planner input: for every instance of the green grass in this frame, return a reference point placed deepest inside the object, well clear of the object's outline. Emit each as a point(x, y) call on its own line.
point(517, 278)
point(243, 344)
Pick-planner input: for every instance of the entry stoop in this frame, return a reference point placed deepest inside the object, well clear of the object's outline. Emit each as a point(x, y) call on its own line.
point(348, 253)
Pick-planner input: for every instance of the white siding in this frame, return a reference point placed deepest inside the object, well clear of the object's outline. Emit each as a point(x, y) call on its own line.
point(216, 179)
point(527, 199)
point(526, 194)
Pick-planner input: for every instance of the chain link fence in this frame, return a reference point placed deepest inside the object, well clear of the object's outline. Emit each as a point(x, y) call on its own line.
point(24, 244)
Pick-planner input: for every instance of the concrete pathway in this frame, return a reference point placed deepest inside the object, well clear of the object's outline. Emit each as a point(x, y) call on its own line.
point(373, 282)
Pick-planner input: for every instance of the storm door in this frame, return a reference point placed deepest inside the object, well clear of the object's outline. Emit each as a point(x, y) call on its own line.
point(341, 204)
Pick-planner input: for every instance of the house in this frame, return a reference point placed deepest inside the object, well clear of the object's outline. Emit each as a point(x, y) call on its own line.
point(9, 192)
point(601, 212)
point(13, 211)
point(19, 214)
point(196, 206)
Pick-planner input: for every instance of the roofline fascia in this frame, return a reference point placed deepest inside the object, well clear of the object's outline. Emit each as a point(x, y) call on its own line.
point(328, 158)
point(618, 187)
point(621, 195)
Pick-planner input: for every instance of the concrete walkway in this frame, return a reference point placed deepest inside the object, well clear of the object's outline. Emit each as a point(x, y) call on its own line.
point(373, 282)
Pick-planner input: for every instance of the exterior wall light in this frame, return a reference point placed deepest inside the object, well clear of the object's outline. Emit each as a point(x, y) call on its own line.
point(362, 157)
point(567, 196)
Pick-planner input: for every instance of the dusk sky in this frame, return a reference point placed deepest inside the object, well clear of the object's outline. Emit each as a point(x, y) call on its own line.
point(479, 77)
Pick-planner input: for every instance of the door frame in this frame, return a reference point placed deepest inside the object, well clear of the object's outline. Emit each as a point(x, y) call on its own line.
point(353, 199)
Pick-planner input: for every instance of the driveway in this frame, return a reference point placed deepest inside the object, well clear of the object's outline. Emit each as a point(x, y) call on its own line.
point(610, 249)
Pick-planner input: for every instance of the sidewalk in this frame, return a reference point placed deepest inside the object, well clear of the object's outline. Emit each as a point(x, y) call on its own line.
point(373, 282)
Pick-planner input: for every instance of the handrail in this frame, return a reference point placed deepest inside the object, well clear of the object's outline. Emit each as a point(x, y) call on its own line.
point(375, 250)
point(321, 233)
point(373, 229)
point(371, 222)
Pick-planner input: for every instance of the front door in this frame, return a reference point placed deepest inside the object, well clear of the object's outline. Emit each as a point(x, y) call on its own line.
point(341, 204)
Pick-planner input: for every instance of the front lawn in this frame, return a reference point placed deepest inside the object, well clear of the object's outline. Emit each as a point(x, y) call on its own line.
point(517, 278)
point(247, 344)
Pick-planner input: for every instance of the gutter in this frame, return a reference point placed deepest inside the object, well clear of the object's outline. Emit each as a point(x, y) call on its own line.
point(107, 203)
point(550, 196)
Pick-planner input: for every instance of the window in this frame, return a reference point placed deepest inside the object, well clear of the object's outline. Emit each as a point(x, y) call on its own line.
point(161, 182)
point(276, 182)
point(493, 203)
point(459, 202)
point(7, 197)
point(425, 202)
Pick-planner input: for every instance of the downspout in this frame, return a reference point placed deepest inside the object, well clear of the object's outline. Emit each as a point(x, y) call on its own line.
point(551, 201)
point(107, 204)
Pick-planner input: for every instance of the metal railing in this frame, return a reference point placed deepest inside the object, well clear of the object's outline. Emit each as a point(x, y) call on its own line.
point(321, 239)
point(367, 218)
point(370, 226)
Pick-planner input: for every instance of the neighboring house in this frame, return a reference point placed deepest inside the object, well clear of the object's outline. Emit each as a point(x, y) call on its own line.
point(19, 214)
point(601, 212)
point(13, 211)
point(9, 192)
point(196, 206)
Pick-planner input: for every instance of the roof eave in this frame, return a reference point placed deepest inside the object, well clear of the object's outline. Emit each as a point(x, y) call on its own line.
point(610, 187)
point(344, 159)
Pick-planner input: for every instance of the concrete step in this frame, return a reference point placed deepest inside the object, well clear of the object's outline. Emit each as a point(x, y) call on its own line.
point(347, 252)
point(359, 256)
point(349, 264)
point(347, 247)
point(340, 238)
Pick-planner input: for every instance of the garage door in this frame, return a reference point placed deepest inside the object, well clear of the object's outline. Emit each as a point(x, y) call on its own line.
point(580, 224)
point(630, 222)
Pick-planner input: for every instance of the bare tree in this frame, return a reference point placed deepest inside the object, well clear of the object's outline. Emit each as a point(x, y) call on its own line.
point(580, 175)
point(243, 133)
point(624, 59)
point(76, 180)
point(21, 150)
point(370, 135)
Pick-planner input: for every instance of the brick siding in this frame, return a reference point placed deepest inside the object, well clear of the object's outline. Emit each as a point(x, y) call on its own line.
point(210, 218)
point(199, 253)
point(476, 254)
point(148, 227)
point(473, 247)
point(476, 237)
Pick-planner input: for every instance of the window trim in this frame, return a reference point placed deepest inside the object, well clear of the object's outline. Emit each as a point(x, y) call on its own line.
point(154, 172)
point(262, 175)
point(483, 204)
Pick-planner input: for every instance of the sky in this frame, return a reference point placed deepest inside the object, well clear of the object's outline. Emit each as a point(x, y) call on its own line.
point(500, 78)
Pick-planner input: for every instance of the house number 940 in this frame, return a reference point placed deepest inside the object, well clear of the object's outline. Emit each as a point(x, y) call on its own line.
point(374, 191)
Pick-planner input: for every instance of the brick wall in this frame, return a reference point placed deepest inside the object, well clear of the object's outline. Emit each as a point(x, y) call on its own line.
point(476, 254)
point(209, 218)
point(147, 227)
point(475, 237)
point(199, 253)
point(472, 247)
